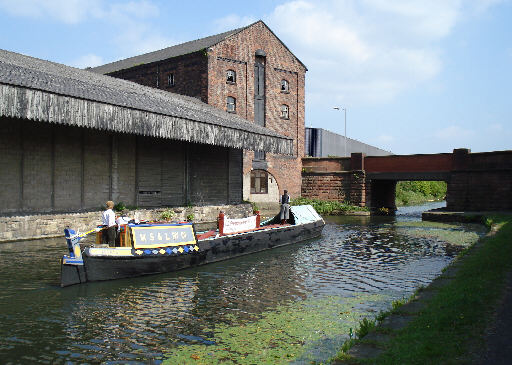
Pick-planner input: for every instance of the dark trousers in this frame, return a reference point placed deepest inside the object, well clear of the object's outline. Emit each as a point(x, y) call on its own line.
point(110, 236)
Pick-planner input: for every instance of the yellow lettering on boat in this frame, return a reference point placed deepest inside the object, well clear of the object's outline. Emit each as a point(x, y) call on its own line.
point(183, 235)
point(175, 235)
point(151, 236)
point(142, 237)
point(159, 236)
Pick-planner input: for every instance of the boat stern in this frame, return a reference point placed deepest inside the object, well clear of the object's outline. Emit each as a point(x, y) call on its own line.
point(71, 273)
point(72, 265)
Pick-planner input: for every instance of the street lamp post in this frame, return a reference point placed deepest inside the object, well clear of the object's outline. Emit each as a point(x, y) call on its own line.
point(345, 110)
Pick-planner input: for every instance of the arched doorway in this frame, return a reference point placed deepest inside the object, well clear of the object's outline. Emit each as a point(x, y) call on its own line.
point(260, 186)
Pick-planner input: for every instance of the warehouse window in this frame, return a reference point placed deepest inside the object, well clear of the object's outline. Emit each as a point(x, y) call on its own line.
point(230, 77)
point(231, 104)
point(285, 112)
point(285, 86)
point(259, 182)
point(170, 80)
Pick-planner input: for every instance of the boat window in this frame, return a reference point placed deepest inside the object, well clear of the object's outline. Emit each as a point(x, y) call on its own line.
point(259, 182)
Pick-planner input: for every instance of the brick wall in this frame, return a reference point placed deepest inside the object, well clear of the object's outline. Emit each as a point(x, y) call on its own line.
point(203, 74)
point(317, 164)
point(409, 163)
point(190, 75)
point(333, 186)
point(238, 53)
point(480, 181)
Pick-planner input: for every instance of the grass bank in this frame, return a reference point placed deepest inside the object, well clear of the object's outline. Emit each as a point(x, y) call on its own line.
point(450, 327)
point(324, 207)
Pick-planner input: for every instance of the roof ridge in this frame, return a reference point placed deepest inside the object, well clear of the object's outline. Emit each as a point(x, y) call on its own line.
point(166, 52)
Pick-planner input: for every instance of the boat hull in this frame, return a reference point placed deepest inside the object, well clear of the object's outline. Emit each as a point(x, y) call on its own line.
point(99, 268)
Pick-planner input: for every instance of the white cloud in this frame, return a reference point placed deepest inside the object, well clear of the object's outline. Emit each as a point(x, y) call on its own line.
point(76, 11)
point(130, 21)
point(233, 21)
point(138, 37)
point(368, 52)
point(66, 11)
point(88, 60)
point(455, 133)
point(385, 138)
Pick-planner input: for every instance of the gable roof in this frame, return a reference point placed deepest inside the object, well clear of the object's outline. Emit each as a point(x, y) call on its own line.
point(163, 54)
point(44, 91)
point(177, 50)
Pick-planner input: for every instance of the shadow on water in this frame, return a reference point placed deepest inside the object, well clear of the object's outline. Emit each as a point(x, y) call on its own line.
point(355, 269)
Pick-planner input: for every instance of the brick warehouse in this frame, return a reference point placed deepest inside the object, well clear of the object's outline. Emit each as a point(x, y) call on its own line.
point(72, 139)
point(246, 71)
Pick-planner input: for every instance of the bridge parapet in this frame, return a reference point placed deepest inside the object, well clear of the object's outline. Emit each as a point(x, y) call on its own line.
point(325, 164)
point(409, 163)
point(476, 181)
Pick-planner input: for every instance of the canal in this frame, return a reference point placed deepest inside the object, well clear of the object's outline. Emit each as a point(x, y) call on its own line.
point(295, 304)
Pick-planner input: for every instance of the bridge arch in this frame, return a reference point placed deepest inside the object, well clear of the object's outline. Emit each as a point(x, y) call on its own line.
point(475, 181)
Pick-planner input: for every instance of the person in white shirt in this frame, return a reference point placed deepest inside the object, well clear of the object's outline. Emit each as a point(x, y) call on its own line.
point(109, 221)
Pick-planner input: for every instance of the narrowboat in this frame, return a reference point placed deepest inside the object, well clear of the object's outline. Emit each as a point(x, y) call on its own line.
point(159, 247)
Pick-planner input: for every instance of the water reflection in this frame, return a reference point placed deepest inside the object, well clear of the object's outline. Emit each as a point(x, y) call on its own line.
point(134, 320)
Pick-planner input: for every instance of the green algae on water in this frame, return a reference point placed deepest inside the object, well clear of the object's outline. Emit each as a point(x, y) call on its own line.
point(290, 332)
point(453, 234)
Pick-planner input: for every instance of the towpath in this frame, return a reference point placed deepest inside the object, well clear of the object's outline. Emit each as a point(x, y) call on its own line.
point(499, 332)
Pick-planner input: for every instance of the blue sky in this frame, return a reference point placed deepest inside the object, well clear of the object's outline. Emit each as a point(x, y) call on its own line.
point(415, 76)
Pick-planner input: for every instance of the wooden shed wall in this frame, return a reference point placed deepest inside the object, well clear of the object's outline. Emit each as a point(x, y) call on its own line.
point(52, 168)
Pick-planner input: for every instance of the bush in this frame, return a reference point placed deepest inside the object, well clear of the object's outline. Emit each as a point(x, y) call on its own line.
point(167, 215)
point(325, 207)
point(415, 192)
point(255, 207)
point(119, 207)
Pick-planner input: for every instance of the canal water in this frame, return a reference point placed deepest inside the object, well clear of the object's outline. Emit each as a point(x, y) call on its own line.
point(295, 304)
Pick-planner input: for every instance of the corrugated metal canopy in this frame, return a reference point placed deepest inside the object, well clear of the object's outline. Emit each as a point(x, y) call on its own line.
point(40, 90)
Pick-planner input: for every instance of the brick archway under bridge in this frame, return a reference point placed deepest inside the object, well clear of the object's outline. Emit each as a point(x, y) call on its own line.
point(476, 181)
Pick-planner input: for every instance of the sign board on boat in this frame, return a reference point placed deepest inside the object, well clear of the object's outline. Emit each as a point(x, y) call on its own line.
point(239, 225)
point(153, 236)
